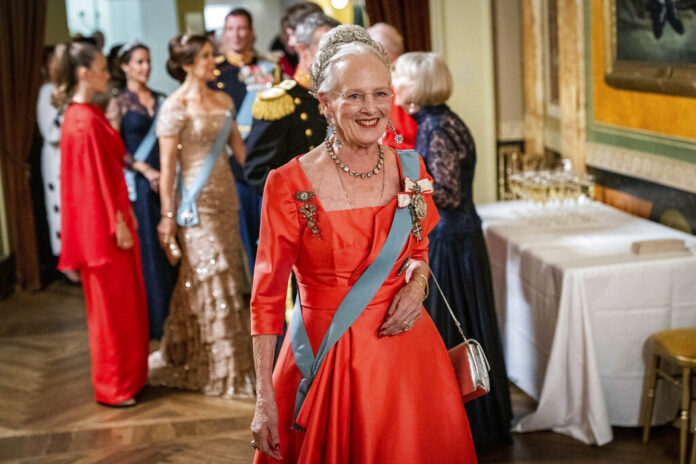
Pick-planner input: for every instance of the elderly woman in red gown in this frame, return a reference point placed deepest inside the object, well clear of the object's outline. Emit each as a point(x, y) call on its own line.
point(386, 391)
point(98, 230)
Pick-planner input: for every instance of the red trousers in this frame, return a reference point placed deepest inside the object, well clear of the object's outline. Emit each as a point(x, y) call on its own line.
point(117, 322)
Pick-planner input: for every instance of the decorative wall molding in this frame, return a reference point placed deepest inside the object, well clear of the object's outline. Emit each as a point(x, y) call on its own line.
point(571, 61)
point(534, 98)
point(653, 168)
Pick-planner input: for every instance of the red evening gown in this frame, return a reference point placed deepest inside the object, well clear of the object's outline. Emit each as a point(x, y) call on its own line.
point(374, 400)
point(93, 191)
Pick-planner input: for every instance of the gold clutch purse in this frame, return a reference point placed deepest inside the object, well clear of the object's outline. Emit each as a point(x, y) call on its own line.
point(172, 250)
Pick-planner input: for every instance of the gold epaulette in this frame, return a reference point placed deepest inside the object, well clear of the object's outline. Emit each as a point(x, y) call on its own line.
point(220, 59)
point(272, 104)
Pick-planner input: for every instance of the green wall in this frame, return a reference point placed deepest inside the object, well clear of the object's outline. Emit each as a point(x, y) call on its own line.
point(56, 22)
point(187, 6)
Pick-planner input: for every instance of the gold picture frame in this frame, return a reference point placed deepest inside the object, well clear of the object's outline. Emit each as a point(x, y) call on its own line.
point(648, 75)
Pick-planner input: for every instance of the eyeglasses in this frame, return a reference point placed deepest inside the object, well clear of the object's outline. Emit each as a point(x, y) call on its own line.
point(356, 99)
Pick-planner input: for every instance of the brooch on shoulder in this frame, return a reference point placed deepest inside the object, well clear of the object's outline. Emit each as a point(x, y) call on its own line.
point(412, 196)
point(308, 210)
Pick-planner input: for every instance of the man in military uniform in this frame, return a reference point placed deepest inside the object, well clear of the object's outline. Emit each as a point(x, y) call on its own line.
point(241, 72)
point(287, 121)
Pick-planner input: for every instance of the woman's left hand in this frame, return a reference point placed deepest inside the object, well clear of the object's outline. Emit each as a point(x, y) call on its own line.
point(404, 311)
point(124, 237)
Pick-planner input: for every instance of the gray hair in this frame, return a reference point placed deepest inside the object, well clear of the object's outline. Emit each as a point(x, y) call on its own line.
point(337, 44)
point(304, 32)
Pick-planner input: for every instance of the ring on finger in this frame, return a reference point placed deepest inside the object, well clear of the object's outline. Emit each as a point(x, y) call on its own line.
point(407, 326)
point(254, 444)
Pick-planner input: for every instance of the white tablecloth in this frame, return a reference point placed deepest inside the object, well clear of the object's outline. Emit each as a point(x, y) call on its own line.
point(576, 308)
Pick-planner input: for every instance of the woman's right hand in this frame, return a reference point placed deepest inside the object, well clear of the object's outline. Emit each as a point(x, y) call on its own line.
point(166, 230)
point(264, 428)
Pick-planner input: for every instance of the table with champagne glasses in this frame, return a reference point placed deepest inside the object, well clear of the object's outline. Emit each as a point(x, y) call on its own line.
point(576, 307)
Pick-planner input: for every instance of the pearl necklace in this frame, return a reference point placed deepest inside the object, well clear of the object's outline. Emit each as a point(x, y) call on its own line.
point(349, 171)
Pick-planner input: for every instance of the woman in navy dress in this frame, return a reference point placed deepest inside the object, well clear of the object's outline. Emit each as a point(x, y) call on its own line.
point(132, 112)
point(458, 255)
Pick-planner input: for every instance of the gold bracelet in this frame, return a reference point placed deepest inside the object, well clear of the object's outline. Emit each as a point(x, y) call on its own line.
point(168, 214)
point(425, 287)
point(425, 280)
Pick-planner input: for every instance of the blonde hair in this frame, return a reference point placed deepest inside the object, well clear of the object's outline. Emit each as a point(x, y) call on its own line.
point(428, 75)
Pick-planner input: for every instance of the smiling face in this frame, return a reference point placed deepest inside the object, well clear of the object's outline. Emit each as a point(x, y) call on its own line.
point(237, 36)
point(361, 101)
point(138, 66)
point(203, 64)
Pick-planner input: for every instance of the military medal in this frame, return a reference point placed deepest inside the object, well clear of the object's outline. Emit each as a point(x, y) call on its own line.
point(412, 196)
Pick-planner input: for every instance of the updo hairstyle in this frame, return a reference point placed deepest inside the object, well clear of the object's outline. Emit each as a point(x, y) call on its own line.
point(337, 44)
point(182, 51)
point(123, 56)
point(428, 77)
point(69, 57)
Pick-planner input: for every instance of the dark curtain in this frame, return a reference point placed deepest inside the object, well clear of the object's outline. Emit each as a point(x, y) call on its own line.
point(410, 17)
point(22, 25)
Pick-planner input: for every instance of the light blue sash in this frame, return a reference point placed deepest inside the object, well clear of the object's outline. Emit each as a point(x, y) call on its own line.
point(244, 118)
point(357, 298)
point(187, 214)
point(141, 154)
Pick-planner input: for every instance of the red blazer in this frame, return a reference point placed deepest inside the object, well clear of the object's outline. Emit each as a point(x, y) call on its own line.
point(93, 189)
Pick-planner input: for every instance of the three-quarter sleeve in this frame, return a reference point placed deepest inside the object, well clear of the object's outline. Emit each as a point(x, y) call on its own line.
point(171, 118)
point(443, 164)
point(279, 242)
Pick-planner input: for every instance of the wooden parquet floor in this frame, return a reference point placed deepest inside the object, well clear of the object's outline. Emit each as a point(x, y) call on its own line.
point(48, 415)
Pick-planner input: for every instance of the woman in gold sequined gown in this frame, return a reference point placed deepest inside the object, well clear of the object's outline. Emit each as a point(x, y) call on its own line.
point(206, 344)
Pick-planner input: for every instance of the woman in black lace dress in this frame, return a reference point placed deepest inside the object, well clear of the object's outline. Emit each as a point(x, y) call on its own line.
point(132, 112)
point(458, 256)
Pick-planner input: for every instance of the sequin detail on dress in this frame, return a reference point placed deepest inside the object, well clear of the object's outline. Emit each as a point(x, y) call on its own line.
point(308, 211)
point(207, 343)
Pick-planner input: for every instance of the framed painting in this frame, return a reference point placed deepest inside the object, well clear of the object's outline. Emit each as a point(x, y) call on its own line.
point(651, 45)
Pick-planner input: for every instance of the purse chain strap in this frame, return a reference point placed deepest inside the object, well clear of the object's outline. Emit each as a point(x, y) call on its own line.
point(456, 322)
